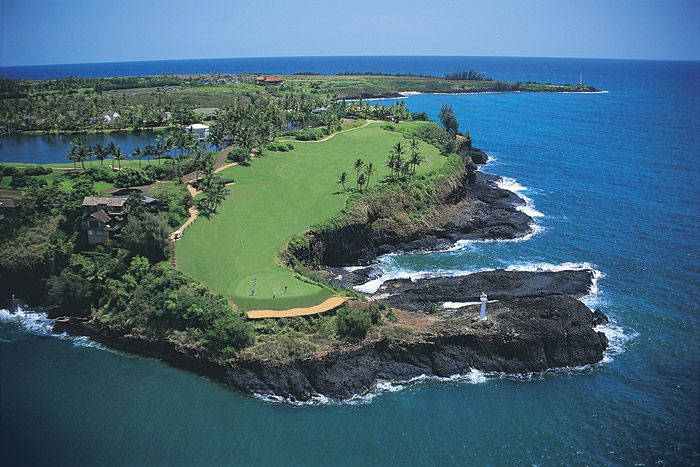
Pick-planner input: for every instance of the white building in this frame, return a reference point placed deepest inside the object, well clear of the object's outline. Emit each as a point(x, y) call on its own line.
point(199, 132)
point(109, 117)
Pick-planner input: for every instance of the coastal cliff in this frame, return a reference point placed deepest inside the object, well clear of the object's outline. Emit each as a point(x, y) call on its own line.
point(463, 205)
point(536, 324)
point(521, 336)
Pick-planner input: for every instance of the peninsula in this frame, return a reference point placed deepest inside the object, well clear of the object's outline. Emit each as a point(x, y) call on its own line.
point(228, 251)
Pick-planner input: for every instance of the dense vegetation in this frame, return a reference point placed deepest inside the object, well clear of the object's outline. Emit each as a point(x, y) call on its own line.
point(127, 285)
point(89, 104)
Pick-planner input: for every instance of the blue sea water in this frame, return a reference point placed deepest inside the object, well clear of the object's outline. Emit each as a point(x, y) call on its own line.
point(616, 177)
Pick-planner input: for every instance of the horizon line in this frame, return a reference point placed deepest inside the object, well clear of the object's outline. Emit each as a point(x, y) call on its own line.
point(348, 56)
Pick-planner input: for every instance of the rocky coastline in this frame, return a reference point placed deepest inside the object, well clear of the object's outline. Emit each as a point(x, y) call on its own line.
point(535, 321)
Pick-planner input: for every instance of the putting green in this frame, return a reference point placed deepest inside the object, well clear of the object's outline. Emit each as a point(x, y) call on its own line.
point(277, 196)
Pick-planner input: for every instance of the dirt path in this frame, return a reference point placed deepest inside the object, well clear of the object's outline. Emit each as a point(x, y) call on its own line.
point(328, 305)
point(326, 138)
point(192, 210)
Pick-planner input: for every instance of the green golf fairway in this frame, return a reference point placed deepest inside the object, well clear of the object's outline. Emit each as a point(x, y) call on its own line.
point(279, 195)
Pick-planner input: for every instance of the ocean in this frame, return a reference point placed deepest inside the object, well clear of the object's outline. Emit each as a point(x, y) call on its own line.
point(613, 180)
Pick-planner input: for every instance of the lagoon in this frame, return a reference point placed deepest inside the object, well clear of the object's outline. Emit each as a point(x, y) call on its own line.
point(44, 149)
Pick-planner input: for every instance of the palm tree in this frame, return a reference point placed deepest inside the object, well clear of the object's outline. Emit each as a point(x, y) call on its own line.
point(159, 151)
point(343, 179)
point(369, 171)
point(117, 155)
point(100, 152)
point(137, 154)
point(149, 151)
point(73, 155)
point(216, 194)
point(398, 160)
point(216, 136)
point(360, 181)
point(358, 166)
point(415, 160)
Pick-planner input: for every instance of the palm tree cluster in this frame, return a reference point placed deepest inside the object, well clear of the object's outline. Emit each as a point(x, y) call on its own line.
point(400, 166)
point(80, 152)
point(248, 126)
point(212, 186)
point(363, 175)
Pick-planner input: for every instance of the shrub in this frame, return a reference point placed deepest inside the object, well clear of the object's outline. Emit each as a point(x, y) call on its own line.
point(421, 116)
point(7, 171)
point(131, 177)
point(375, 315)
point(175, 199)
point(310, 134)
point(238, 155)
point(101, 174)
point(353, 323)
point(37, 170)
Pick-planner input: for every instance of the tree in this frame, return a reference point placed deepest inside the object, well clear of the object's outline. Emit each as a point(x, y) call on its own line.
point(137, 154)
point(131, 177)
point(216, 136)
point(395, 162)
point(149, 151)
point(359, 164)
point(117, 154)
point(369, 171)
point(361, 181)
point(448, 120)
point(78, 153)
point(343, 179)
point(416, 158)
point(100, 152)
point(146, 234)
point(216, 194)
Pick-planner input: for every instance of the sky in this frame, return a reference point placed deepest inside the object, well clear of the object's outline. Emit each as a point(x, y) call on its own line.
point(35, 32)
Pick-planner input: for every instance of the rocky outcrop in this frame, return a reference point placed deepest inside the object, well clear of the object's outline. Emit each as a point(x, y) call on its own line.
point(498, 285)
point(520, 336)
point(462, 211)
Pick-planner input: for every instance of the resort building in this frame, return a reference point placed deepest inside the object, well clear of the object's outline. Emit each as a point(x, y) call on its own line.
point(110, 117)
point(106, 215)
point(199, 131)
point(269, 80)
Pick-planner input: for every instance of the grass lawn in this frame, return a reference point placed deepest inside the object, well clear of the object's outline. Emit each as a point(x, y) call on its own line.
point(58, 174)
point(277, 196)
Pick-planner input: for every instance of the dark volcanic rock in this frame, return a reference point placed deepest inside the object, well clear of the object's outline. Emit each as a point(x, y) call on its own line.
point(478, 156)
point(498, 284)
point(479, 211)
point(521, 336)
point(599, 318)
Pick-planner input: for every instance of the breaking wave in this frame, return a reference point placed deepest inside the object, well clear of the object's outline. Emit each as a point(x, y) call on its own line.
point(39, 324)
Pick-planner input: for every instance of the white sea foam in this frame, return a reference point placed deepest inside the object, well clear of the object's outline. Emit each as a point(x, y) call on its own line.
point(30, 321)
point(510, 184)
point(472, 377)
point(454, 305)
point(38, 323)
point(373, 285)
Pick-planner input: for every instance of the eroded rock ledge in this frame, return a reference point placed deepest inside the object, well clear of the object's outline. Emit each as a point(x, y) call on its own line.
point(522, 335)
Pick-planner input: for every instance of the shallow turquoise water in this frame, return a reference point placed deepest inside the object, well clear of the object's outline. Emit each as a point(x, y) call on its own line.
point(616, 176)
